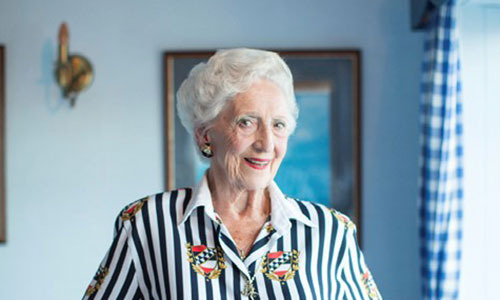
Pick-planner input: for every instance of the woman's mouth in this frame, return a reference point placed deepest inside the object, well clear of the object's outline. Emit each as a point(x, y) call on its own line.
point(257, 163)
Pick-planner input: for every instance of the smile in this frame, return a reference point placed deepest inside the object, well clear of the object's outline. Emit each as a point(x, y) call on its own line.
point(257, 163)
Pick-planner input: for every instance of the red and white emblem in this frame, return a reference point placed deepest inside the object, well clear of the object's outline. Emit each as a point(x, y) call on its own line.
point(97, 281)
point(370, 286)
point(133, 208)
point(343, 219)
point(208, 262)
point(281, 265)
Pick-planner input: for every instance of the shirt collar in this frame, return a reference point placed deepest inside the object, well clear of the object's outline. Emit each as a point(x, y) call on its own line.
point(283, 209)
point(201, 197)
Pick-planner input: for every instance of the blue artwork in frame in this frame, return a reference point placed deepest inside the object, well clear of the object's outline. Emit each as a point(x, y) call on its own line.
point(307, 161)
point(323, 159)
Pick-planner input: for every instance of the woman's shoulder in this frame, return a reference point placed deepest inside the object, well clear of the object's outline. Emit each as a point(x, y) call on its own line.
point(164, 200)
point(318, 212)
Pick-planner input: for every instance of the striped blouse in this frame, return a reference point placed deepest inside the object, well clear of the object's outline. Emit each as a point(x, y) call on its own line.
point(174, 246)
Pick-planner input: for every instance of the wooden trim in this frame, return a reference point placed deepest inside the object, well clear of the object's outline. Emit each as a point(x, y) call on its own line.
point(169, 123)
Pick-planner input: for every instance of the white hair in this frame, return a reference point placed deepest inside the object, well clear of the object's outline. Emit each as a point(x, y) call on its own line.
point(210, 85)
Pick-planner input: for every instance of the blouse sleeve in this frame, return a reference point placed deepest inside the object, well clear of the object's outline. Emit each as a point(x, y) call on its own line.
point(359, 281)
point(116, 277)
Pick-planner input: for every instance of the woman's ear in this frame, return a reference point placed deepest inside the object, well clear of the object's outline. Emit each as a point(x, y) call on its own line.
point(201, 135)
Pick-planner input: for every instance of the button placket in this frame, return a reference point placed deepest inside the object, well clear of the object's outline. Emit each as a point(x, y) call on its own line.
point(230, 250)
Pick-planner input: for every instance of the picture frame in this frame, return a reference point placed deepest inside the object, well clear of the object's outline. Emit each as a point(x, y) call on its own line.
point(3, 222)
point(323, 161)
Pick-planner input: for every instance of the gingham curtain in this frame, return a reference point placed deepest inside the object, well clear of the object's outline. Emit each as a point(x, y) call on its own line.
point(441, 157)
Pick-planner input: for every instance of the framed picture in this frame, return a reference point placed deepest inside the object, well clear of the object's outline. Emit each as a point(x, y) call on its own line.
point(3, 231)
point(322, 163)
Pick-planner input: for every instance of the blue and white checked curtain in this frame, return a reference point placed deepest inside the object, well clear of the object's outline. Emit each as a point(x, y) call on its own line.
point(441, 157)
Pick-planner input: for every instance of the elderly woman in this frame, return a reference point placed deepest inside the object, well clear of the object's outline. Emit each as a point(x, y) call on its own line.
point(234, 236)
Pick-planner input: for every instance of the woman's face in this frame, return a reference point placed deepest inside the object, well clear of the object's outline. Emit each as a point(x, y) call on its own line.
point(249, 137)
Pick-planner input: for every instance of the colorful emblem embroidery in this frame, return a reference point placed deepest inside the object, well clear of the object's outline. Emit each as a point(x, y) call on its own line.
point(369, 285)
point(269, 227)
point(348, 224)
point(97, 281)
point(134, 207)
point(280, 266)
point(208, 262)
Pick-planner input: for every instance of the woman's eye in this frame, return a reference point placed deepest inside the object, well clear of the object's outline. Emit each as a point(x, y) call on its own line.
point(280, 125)
point(247, 125)
point(244, 123)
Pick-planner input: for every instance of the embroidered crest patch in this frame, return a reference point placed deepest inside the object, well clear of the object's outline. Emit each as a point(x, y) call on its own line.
point(348, 224)
point(97, 281)
point(208, 262)
point(369, 285)
point(133, 208)
point(280, 266)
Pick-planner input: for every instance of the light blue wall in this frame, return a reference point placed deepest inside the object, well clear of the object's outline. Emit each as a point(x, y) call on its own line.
point(69, 171)
point(480, 44)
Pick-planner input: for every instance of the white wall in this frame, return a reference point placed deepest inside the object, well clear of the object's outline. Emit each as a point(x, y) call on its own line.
point(480, 44)
point(69, 171)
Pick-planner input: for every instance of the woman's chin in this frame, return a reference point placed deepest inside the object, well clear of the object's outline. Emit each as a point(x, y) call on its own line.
point(256, 182)
point(255, 179)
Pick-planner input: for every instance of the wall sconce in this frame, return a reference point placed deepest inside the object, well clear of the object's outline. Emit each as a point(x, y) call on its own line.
point(73, 72)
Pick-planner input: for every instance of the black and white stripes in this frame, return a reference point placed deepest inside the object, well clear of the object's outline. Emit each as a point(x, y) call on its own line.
point(305, 251)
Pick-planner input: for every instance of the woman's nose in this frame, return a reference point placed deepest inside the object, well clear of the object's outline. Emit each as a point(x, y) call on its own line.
point(264, 139)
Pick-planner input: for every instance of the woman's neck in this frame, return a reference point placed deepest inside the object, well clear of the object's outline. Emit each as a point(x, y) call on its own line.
point(235, 201)
point(244, 212)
